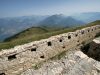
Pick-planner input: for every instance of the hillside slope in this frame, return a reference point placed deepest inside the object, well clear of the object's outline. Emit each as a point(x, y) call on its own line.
point(21, 39)
point(27, 33)
point(33, 31)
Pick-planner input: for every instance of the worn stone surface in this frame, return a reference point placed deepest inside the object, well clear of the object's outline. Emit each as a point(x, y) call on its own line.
point(97, 40)
point(74, 62)
point(20, 58)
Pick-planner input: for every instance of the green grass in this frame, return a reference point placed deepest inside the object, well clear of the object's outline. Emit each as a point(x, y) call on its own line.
point(30, 35)
point(34, 31)
point(31, 31)
point(58, 56)
point(37, 66)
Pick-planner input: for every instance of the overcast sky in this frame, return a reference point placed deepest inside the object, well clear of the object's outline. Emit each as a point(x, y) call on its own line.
point(13, 8)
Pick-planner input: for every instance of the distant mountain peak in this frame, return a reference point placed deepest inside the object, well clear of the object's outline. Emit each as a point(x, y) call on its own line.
point(17, 24)
point(59, 20)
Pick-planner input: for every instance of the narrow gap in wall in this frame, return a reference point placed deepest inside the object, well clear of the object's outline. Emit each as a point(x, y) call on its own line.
point(78, 41)
point(60, 40)
point(63, 47)
point(82, 32)
point(76, 35)
point(12, 57)
point(88, 30)
point(33, 49)
point(2, 74)
point(42, 56)
point(69, 37)
point(49, 44)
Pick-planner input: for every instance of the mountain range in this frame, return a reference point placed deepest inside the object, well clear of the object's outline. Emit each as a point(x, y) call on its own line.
point(12, 26)
point(60, 21)
point(87, 17)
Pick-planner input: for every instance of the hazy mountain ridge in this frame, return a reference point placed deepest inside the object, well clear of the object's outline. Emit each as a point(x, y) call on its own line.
point(87, 17)
point(12, 26)
point(60, 21)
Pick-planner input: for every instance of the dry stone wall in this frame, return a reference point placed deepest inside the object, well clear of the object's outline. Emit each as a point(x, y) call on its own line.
point(20, 58)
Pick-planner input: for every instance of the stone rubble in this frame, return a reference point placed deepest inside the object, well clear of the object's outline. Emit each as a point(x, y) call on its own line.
point(74, 62)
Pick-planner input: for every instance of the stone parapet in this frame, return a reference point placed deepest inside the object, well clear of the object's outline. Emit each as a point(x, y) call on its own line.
point(22, 57)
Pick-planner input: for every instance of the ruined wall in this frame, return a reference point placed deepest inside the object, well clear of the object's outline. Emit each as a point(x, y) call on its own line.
point(23, 57)
point(94, 49)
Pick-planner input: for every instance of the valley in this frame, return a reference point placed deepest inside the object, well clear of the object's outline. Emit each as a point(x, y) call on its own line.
point(12, 26)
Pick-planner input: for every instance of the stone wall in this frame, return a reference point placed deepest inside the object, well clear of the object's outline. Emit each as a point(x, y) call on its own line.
point(20, 58)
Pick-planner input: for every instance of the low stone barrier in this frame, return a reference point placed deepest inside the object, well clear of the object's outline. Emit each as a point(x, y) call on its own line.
point(22, 57)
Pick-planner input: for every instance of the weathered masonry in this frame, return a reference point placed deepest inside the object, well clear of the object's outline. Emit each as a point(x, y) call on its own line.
point(20, 58)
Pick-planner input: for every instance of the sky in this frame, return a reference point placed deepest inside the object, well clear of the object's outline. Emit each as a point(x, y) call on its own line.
point(14, 8)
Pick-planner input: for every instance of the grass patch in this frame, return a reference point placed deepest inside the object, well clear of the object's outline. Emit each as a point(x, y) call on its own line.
point(37, 66)
point(59, 56)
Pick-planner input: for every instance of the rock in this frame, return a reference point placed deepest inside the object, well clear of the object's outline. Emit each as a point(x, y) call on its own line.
point(73, 63)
